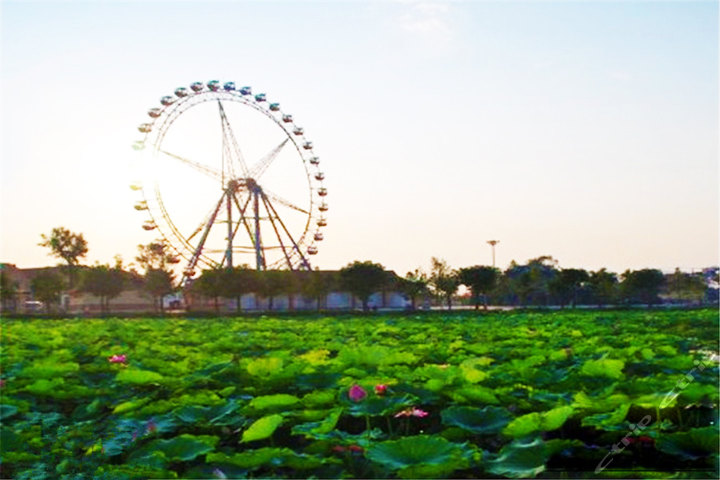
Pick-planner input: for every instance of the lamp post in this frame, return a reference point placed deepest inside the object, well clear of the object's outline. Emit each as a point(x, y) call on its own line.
point(492, 245)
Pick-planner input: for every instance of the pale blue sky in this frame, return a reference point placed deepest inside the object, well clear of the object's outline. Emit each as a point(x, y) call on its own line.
point(583, 130)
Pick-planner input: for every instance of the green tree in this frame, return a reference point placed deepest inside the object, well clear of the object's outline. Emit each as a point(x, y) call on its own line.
point(237, 282)
point(211, 284)
point(642, 286)
point(272, 283)
point(8, 290)
point(46, 287)
point(480, 280)
point(603, 287)
point(686, 287)
point(317, 285)
point(159, 283)
point(104, 282)
point(362, 279)
point(444, 280)
point(156, 260)
point(414, 285)
point(566, 284)
point(529, 283)
point(156, 255)
point(68, 246)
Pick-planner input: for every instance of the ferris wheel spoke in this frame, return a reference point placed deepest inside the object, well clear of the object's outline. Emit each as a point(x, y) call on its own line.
point(198, 250)
point(277, 233)
point(284, 202)
point(271, 212)
point(243, 218)
point(197, 166)
point(263, 164)
point(230, 146)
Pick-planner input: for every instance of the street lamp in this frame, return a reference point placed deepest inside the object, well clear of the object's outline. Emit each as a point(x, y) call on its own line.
point(492, 245)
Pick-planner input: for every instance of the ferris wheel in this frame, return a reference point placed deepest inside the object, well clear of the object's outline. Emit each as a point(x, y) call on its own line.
point(229, 178)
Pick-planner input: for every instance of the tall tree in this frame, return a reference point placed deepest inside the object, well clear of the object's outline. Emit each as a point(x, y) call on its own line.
point(566, 284)
point(211, 284)
point(530, 283)
point(159, 283)
point(603, 287)
point(156, 255)
point(480, 280)
point(47, 287)
point(104, 282)
point(317, 285)
point(272, 283)
point(362, 279)
point(686, 287)
point(8, 290)
point(156, 259)
point(642, 286)
point(444, 280)
point(237, 282)
point(68, 246)
point(414, 285)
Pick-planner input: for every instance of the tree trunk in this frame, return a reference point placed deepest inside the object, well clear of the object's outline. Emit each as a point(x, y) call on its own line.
point(449, 302)
point(238, 304)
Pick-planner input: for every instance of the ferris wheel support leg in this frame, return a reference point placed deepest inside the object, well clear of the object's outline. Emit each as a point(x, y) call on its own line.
point(305, 263)
point(201, 243)
point(228, 252)
point(259, 258)
point(277, 232)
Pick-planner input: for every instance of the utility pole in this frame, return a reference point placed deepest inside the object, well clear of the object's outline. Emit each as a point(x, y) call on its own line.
point(492, 244)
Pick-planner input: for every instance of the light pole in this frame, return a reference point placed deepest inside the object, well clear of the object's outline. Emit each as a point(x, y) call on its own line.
point(492, 245)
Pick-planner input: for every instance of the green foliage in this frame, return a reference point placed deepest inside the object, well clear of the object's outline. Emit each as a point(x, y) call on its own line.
point(362, 279)
point(268, 397)
point(262, 428)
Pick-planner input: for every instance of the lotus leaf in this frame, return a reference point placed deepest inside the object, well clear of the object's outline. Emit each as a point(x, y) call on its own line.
point(420, 456)
point(487, 420)
point(690, 445)
point(262, 428)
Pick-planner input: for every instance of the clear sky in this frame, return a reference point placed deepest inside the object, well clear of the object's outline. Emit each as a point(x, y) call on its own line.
point(583, 130)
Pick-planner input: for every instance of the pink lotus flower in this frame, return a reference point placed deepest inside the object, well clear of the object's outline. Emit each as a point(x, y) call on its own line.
point(118, 358)
point(357, 393)
point(412, 412)
point(380, 389)
point(150, 426)
point(2, 383)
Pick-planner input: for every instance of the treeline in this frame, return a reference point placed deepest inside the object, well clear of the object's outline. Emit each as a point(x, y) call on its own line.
point(538, 282)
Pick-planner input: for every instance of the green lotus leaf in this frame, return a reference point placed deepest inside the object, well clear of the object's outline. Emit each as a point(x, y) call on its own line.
point(696, 392)
point(265, 367)
point(138, 377)
point(7, 411)
point(279, 401)
point(603, 367)
point(474, 394)
point(605, 420)
point(42, 386)
point(262, 428)
point(49, 369)
point(254, 459)
point(691, 445)
point(600, 403)
point(555, 418)
point(524, 425)
point(520, 459)
point(375, 406)
point(185, 447)
point(130, 405)
point(487, 420)
point(319, 398)
point(314, 429)
point(420, 455)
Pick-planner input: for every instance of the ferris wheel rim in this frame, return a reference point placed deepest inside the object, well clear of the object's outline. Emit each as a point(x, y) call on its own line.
point(162, 121)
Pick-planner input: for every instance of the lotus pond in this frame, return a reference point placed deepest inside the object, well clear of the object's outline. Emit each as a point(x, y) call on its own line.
point(591, 394)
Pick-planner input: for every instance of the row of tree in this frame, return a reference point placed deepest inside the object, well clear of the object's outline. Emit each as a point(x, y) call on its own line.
point(104, 281)
point(539, 282)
